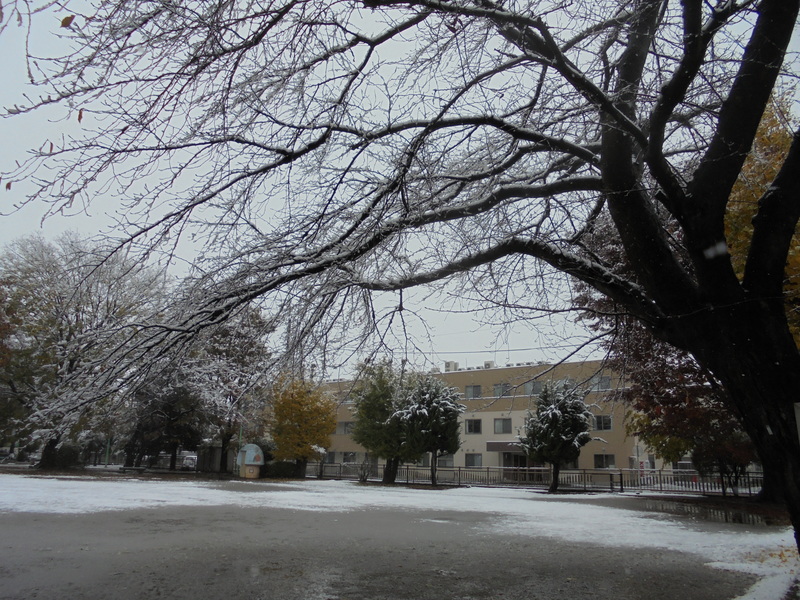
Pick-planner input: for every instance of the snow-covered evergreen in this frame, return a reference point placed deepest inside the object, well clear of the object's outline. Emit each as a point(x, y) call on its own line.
point(431, 413)
point(558, 429)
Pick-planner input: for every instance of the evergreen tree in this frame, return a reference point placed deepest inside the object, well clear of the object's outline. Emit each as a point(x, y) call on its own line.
point(378, 427)
point(558, 430)
point(431, 419)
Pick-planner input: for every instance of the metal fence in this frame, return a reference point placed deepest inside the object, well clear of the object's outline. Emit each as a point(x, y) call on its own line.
point(610, 480)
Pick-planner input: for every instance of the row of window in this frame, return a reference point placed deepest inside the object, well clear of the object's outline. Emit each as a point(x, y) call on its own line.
point(475, 426)
point(601, 423)
point(531, 388)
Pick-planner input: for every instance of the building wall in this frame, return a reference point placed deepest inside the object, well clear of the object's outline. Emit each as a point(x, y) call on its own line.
point(494, 395)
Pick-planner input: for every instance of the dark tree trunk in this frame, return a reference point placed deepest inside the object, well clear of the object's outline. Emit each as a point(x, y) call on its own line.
point(225, 438)
point(758, 363)
point(433, 468)
point(173, 457)
point(49, 458)
point(390, 469)
point(300, 468)
point(771, 487)
point(130, 456)
point(554, 481)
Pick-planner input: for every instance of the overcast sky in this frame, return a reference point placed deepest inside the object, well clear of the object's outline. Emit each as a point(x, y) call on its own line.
point(460, 337)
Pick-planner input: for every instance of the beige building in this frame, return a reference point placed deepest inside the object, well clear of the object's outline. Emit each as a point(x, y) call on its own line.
point(498, 399)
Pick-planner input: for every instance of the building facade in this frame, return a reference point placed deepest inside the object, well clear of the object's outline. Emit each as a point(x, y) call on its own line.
point(498, 400)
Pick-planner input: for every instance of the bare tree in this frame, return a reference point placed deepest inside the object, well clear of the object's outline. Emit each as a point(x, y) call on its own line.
point(332, 149)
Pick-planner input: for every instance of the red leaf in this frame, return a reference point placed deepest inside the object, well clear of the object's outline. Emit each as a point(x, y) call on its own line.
point(8, 186)
point(67, 21)
point(80, 115)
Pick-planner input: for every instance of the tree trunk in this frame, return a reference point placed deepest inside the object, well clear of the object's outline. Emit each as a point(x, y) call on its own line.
point(223, 456)
point(554, 481)
point(49, 458)
point(433, 468)
point(758, 363)
point(173, 457)
point(300, 468)
point(771, 487)
point(130, 455)
point(390, 470)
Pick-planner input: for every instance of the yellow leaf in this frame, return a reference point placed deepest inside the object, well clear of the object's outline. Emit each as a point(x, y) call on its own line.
point(67, 21)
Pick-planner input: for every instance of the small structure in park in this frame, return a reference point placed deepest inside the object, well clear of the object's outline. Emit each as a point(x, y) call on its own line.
point(250, 461)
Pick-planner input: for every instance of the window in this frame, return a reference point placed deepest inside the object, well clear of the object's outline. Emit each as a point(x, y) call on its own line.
point(502, 389)
point(604, 461)
point(445, 461)
point(349, 457)
point(344, 427)
point(601, 382)
point(473, 425)
point(502, 425)
point(567, 383)
point(532, 388)
point(472, 391)
point(602, 422)
point(473, 460)
point(424, 461)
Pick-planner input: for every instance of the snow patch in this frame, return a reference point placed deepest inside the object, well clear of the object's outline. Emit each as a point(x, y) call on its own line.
point(767, 552)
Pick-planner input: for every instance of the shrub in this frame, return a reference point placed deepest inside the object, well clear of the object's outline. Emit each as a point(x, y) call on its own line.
point(281, 470)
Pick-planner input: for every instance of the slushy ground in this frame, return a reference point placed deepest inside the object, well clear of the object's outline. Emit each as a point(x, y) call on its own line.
point(78, 537)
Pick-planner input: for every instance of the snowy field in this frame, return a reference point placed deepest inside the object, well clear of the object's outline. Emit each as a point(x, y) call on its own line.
point(767, 552)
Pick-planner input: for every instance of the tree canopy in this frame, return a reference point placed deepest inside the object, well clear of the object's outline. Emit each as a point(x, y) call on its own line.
point(429, 412)
point(67, 305)
point(377, 396)
point(558, 430)
point(324, 151)
point(301, 420)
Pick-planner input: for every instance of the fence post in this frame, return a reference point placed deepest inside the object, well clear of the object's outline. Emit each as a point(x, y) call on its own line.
point(621, 483)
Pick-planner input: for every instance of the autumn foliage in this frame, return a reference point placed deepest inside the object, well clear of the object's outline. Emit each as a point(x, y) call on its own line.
point(301, 422)
point(770, 147)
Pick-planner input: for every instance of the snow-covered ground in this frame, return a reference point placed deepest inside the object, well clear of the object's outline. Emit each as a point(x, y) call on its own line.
point(768, 552)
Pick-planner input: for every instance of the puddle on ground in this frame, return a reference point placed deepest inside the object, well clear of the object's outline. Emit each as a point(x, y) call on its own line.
point(707, 513)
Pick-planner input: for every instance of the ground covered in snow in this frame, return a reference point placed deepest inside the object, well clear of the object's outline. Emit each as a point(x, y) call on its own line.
point(126, 538)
